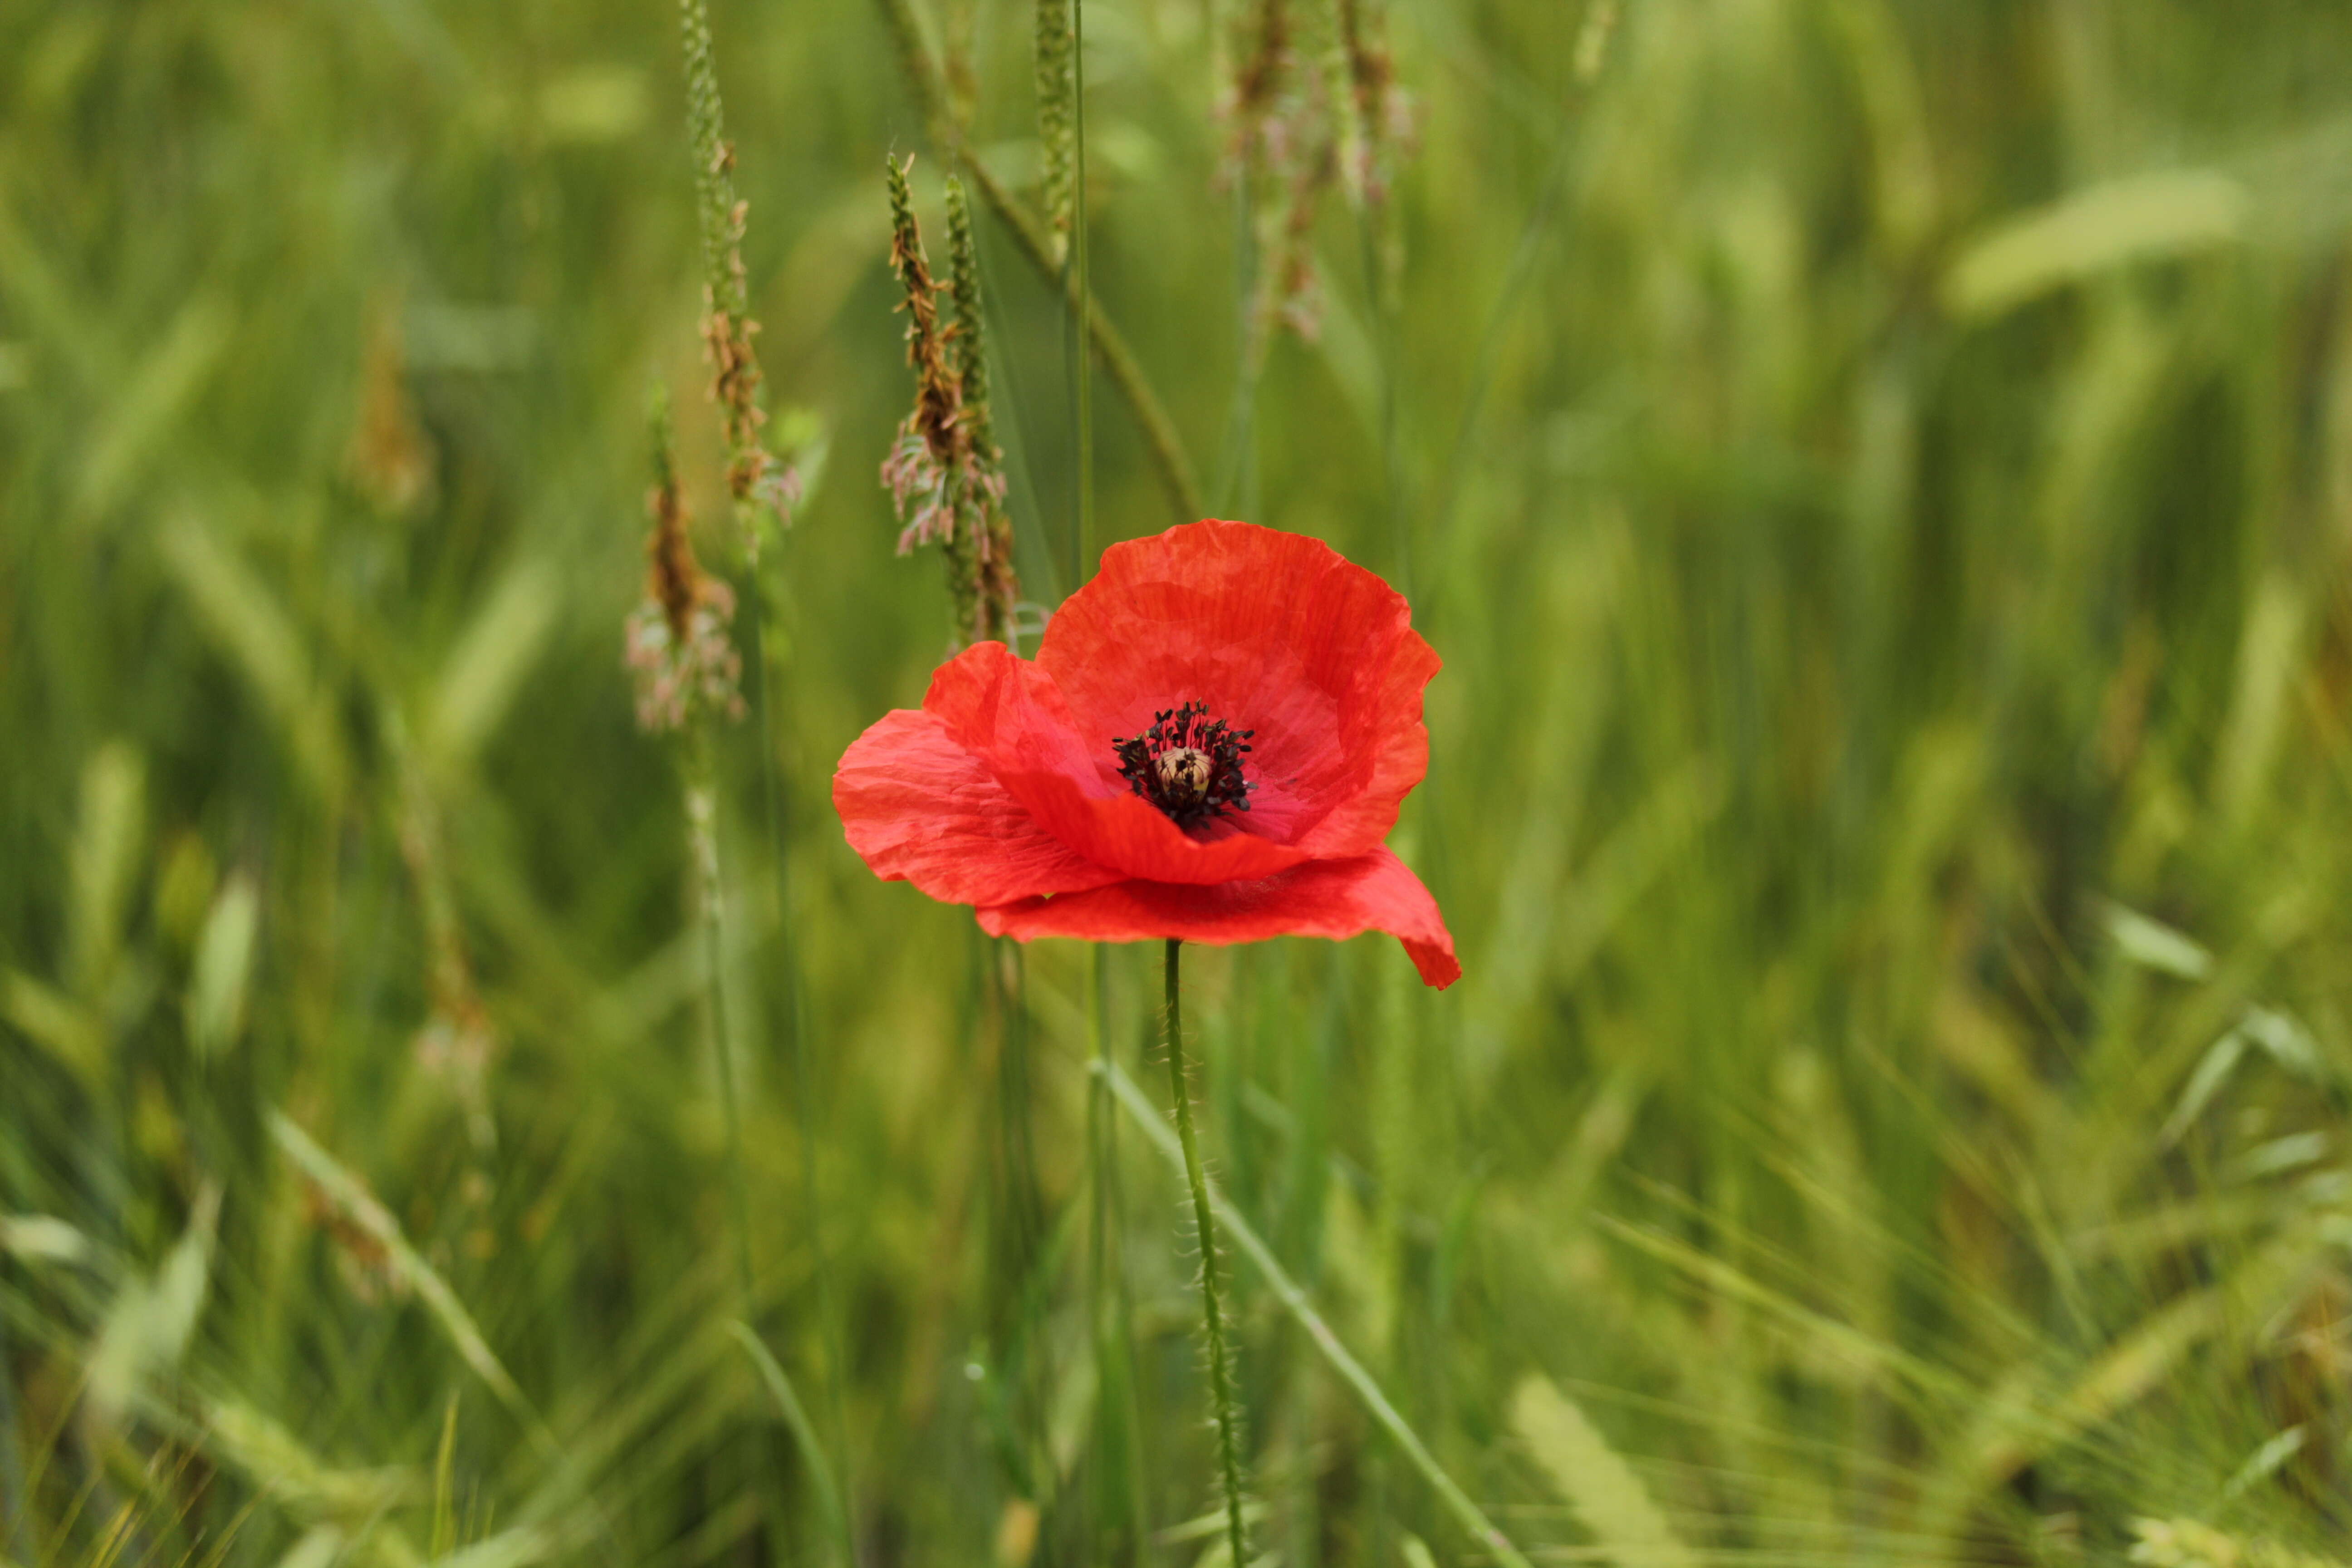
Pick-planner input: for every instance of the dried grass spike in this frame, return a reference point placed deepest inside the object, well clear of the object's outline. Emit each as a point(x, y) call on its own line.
point(676, 640)
point(982, 480)
point(755, 476)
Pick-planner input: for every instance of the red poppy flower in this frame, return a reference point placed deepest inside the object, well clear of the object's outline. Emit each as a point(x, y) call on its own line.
point(1212, 744)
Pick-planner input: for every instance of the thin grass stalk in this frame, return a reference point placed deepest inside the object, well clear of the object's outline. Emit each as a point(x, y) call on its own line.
point(1375, 231)
point(1387, 324)
point(1024, 1246)
point(803, 1431)
point(776, 790)
point(1591, 53)
point(1256, 78)
point(1237, 467)
point(1063, 104)
point(946, 462)
point(1070, 216)
point(1381, 263)
point(687, 671)
point(756, 479)
point(1286, 127)
point(1080, 287)
point(1221, 1375)
point(1109, 1444)
point(1498, 319)
point(1118, 1419)
point(1286, 1290)
point(835, 1371)
point(702, 835)
point(980, 542)
point(1169, 459)
point(702, 848)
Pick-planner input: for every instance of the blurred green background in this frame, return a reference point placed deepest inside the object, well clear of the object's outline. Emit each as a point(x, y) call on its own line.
point(1879, 473)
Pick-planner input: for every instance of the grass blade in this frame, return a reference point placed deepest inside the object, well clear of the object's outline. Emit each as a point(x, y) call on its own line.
point(803, 1431)
point(360, 1206)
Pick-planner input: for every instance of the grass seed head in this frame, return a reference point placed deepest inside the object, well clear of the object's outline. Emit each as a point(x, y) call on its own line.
point(677, 641)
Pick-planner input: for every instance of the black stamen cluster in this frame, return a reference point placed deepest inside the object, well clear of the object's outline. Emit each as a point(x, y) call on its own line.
point(1188, 795)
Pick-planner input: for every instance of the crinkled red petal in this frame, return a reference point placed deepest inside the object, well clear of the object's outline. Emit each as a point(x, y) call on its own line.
point(1275, 633)
point(1009, 712)
point(1323, 898)
point(916, 805)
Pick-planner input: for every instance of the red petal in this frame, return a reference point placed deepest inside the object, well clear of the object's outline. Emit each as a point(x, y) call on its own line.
point(1332, 899)
point(916, 805)
point(1008, 712)
point(1277, 633)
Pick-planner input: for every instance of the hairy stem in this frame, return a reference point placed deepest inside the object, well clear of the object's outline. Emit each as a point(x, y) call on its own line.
point(1221, 1375)
point(1326, 1340)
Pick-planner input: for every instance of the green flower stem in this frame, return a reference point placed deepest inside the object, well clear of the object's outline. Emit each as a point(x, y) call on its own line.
point(1294, 1300)
point(1221, 1375)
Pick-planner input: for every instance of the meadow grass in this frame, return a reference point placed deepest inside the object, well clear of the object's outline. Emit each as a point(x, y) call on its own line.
point(1879, 474)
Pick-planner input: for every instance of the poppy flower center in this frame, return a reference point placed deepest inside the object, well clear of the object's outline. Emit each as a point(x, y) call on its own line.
point(1188, 765)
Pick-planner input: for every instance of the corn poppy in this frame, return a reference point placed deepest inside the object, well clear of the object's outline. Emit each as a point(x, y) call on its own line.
point(1210, 745)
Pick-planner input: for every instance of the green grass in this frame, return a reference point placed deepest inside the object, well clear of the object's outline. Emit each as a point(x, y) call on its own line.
point(1879, 473)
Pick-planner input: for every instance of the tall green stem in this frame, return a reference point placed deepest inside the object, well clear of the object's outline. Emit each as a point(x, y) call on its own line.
point(1237, 464)
point(1099, 1253)
point(768, 641)
point(1294, 1300)
point(1220, 1376)
point(1385, 355)
point(1022, 1350)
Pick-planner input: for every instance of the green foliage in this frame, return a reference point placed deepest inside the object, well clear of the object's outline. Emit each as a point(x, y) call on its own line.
point(1879, 473)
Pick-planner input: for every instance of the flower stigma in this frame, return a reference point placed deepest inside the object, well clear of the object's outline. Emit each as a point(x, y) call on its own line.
point(1188, 765)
